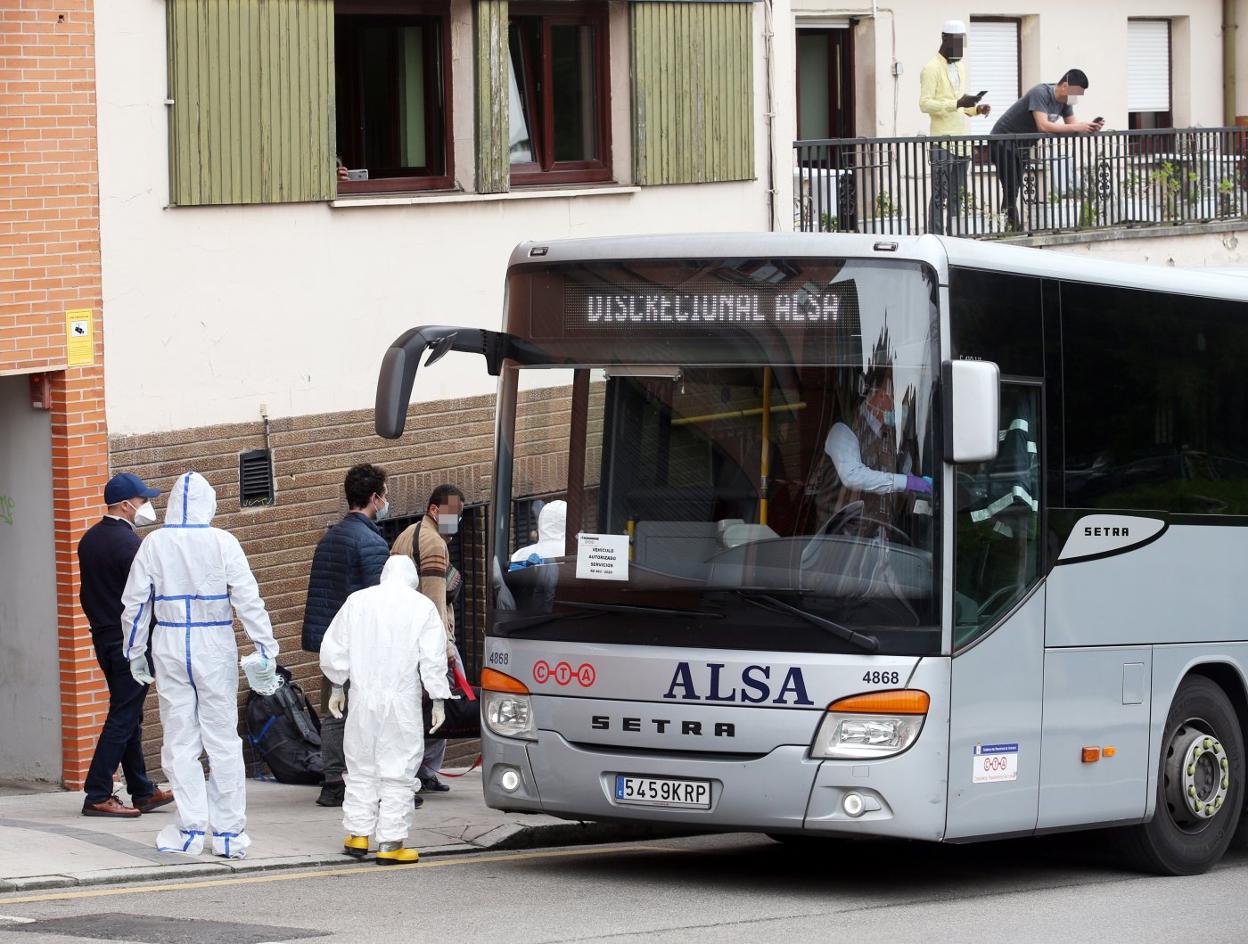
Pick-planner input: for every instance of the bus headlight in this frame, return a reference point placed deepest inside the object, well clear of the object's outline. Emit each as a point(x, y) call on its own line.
point(878, 724)
point(508, 715)
point(507, 706)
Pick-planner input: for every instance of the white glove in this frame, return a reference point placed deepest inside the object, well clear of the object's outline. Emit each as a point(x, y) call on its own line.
point(261, 674)
point(337, 704)
point(437, 715)
point(139, 669)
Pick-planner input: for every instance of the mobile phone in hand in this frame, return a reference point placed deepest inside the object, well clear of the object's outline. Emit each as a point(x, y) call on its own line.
point(1097, 120)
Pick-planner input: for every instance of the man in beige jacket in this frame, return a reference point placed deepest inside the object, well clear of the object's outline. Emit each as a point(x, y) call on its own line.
point(943, 95)
point(426, 543)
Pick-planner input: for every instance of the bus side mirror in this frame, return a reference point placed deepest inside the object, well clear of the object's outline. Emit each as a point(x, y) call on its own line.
point(972, 400)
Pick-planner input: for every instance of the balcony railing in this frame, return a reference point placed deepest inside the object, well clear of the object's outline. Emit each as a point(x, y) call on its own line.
point(960, 186)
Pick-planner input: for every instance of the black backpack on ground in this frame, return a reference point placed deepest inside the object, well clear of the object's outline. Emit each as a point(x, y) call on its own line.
point(284, 730)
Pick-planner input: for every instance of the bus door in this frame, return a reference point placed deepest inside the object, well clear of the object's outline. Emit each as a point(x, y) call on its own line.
point(997, 677)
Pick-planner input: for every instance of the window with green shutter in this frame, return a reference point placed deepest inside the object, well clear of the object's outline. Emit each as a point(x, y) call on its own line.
point(693, 92)
point(252, 90)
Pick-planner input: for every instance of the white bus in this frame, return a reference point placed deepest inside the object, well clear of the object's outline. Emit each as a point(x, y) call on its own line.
point(914, 537)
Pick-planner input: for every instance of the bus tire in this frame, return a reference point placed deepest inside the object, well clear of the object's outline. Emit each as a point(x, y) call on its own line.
point(1200, 785)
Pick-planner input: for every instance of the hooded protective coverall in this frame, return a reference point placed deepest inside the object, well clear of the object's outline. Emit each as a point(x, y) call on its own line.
point(551, 525)
point(191, 574)
point(387, 640)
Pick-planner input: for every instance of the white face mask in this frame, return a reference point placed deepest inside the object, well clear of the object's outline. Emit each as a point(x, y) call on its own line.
point(448, 523)
point(145, 514)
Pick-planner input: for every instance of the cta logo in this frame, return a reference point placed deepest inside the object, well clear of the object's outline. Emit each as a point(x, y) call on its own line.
point(564, 674)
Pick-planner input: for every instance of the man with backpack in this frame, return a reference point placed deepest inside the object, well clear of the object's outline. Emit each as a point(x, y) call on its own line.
point(425, 542)
point(349, 557)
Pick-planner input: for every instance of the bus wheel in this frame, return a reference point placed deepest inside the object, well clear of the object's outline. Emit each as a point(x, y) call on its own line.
point(1200, 789)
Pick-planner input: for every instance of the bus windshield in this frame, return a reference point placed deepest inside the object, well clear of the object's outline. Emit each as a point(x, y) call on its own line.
point(768, 484)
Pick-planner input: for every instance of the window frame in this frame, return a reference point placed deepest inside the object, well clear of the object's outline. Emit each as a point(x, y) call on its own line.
point(546, 170)
point(397, 13)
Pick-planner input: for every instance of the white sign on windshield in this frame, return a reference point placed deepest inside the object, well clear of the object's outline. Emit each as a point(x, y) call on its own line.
point(602, 556)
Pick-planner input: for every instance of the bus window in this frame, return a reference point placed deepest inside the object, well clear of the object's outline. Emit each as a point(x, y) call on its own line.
point(997, 533)
point(1170, 437)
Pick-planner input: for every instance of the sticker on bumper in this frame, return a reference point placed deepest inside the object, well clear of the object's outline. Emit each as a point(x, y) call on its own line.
point(995, 763)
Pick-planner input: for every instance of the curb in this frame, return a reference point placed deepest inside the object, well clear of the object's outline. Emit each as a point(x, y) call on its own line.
point(505, 838)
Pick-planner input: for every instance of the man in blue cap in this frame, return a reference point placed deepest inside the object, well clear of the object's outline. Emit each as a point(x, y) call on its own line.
point(104, 557)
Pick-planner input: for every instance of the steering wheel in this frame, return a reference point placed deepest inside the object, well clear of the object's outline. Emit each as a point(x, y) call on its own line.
point(854, 515)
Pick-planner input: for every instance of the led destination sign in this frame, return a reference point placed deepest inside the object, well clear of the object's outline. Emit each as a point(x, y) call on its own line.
point(765, 305)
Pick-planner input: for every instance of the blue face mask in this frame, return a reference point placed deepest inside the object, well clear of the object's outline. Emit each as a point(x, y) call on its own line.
point(383, 511)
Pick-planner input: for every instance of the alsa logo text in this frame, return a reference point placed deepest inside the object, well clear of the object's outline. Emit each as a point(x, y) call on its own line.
point(754, 685)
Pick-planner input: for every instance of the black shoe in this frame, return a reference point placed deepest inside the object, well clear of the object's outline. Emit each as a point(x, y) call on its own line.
point(433, 785)
point(331, 793)
point(417, 801)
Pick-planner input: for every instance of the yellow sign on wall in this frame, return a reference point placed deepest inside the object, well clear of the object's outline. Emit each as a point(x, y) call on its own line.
point(79, 338)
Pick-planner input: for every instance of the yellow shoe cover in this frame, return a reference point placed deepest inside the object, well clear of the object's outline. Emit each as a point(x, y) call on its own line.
point(400, 856)
point(355, 846)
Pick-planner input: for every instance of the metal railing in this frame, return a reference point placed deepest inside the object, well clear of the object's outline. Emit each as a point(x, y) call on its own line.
point(1005, 185)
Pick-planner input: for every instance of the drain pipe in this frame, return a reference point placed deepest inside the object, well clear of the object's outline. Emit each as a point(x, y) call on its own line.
point(1229, 29)
point(769, 68)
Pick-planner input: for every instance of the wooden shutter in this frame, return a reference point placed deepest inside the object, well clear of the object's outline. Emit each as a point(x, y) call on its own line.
point(1148, 65)
point(252, 85)
point(992, 61)
point(493, 116)
point(693, 92)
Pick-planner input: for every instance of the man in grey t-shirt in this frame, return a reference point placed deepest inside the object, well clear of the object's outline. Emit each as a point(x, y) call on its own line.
point(1044, 109)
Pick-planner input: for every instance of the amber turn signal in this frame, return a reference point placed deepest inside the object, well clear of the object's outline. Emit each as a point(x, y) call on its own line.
point(901, 701)
point(1091, 755)
point(493, 680)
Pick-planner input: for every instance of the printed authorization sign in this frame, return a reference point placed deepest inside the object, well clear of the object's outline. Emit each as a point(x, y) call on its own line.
point(79, 341)
point(602, 557)
point(995, 763)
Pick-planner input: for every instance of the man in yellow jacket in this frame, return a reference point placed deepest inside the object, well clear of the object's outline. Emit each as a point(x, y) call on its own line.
point(943, 95)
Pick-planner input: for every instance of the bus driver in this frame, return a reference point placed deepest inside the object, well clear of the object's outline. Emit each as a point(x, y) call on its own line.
point(862, 454)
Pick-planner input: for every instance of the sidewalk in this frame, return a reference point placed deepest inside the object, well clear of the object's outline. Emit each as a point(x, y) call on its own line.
point(46, 842)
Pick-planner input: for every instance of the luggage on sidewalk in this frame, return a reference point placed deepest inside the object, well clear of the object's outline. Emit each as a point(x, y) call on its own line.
point(463, 708)
point(283, 728)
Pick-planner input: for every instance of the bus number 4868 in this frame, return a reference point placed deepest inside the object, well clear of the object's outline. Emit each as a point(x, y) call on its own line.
point(882, 678)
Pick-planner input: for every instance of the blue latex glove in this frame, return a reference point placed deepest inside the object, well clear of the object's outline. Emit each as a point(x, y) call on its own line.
point(140, 671)
point(921, 484)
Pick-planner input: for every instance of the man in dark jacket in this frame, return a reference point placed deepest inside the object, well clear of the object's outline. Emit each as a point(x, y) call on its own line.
point(349, 557)
point(104, 557)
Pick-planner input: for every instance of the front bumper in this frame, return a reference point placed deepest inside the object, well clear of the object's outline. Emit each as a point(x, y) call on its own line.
point(783, 791)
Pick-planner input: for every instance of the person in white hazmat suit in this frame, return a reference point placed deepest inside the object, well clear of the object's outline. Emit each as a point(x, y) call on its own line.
point(191, 574)
point(387, 640)
point(551, 525)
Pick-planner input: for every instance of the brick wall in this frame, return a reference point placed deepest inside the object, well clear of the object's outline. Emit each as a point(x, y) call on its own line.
point(447, 441)
point(50, 263)
point(49, 208)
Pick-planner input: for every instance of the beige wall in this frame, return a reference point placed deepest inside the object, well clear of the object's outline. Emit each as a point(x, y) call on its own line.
point(1196, 250)
point(216, 312)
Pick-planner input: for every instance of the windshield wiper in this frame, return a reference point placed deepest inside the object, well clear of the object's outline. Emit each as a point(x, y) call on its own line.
point(861, 640)
point(637, 608)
